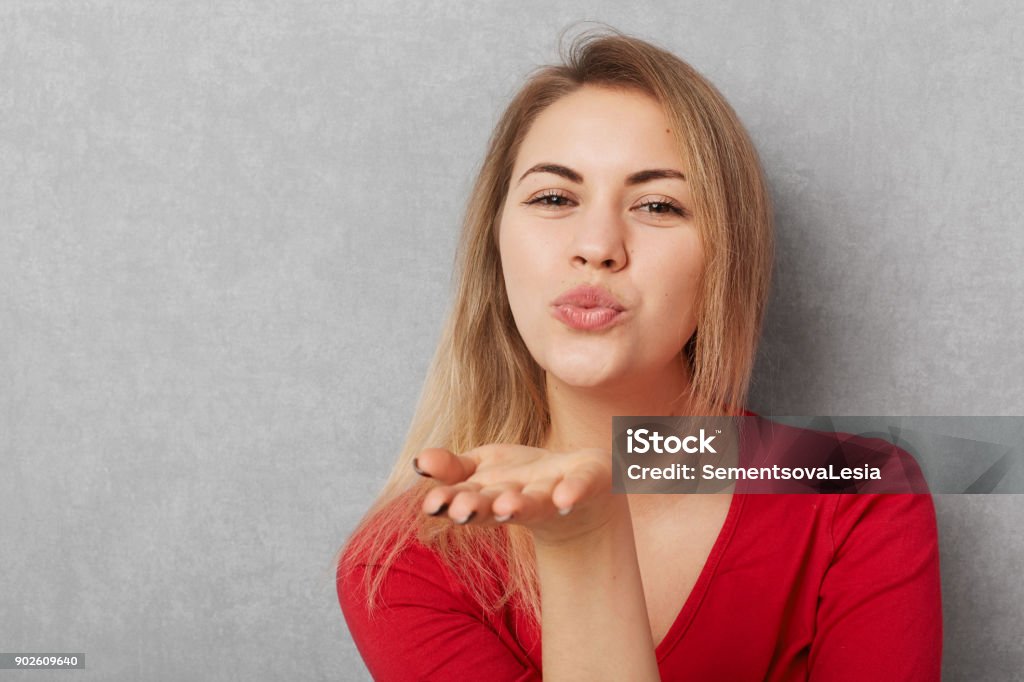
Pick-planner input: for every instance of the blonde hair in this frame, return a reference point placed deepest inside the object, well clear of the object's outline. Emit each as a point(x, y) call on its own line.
point(483, 386)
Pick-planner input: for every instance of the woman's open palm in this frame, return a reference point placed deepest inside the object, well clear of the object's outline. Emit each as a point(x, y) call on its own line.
point(535, 487)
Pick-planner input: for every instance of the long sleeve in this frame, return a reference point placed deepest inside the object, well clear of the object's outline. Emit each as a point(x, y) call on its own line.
point(425, 629)
point(879, 609)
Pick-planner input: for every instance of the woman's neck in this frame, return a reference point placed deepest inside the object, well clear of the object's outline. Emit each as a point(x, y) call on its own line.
point(581, 417)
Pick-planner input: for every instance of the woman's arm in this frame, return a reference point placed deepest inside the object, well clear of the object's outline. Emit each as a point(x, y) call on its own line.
point(880, 604)
point(594, 618)
point(424, 630)
point(594, 621)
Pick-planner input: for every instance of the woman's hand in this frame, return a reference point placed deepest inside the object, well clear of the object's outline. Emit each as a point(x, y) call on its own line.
point(594, 617)
point(559, 495)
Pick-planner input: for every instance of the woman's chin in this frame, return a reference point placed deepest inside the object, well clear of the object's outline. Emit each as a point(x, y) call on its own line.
point(587, 374)
point(610, 371)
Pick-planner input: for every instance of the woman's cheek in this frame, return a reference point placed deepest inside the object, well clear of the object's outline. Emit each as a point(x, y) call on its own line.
point(673, 316)
point(526, 303)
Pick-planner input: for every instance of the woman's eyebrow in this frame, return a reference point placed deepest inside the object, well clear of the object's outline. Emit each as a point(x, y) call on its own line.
point(567, 173)
point(654, 174)
point(637, 178)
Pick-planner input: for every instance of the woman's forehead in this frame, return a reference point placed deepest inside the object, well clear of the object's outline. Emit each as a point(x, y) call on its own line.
point(602, 130)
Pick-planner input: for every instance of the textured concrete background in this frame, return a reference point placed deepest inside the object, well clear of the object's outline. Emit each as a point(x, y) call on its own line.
point(226, 232)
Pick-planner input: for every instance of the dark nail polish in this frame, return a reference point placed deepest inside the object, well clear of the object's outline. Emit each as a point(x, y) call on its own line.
point(468, 518)
point(416, 466)
point(440, 510)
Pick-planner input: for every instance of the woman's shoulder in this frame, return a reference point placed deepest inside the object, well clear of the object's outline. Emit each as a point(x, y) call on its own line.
point(400, 556)
point(871, 460)
point(403, 572)
point(411, 617)
point(908, 518)
point(390, 539)
point(888, 517)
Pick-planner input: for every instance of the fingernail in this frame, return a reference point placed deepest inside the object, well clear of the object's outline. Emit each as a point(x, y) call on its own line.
point(467, 519)
point(440, 510)
point(502, 519)
point(565, 511)
point(416, 466)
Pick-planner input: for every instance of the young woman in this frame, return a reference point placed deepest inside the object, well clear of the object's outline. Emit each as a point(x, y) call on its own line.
point(615, 260)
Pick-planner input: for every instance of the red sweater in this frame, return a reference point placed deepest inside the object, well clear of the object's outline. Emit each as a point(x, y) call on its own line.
point(796, 587)
point(841, 587)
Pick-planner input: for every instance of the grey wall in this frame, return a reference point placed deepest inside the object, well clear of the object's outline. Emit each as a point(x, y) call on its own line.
point(226, 232)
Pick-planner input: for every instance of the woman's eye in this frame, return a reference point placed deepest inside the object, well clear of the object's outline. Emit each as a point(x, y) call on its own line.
point(664, 207)
point(550, 199)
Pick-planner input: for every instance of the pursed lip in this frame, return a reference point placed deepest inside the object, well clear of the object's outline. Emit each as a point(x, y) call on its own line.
point(589, 296)
point(588, 308)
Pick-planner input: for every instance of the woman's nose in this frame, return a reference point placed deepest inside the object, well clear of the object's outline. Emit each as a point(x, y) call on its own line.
point(599, 240)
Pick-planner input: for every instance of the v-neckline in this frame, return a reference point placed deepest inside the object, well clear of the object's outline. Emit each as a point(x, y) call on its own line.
point(690, 607)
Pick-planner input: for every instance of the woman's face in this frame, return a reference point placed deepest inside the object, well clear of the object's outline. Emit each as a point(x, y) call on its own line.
point(600, 254)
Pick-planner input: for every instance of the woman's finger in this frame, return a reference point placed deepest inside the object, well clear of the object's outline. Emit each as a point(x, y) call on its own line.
point(532, 503)
point(445, 466)
point(438, 499)
point(477, 506)
point(583, 481)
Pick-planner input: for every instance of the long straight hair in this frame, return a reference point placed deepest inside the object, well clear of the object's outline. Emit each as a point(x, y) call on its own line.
point(483, 386)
